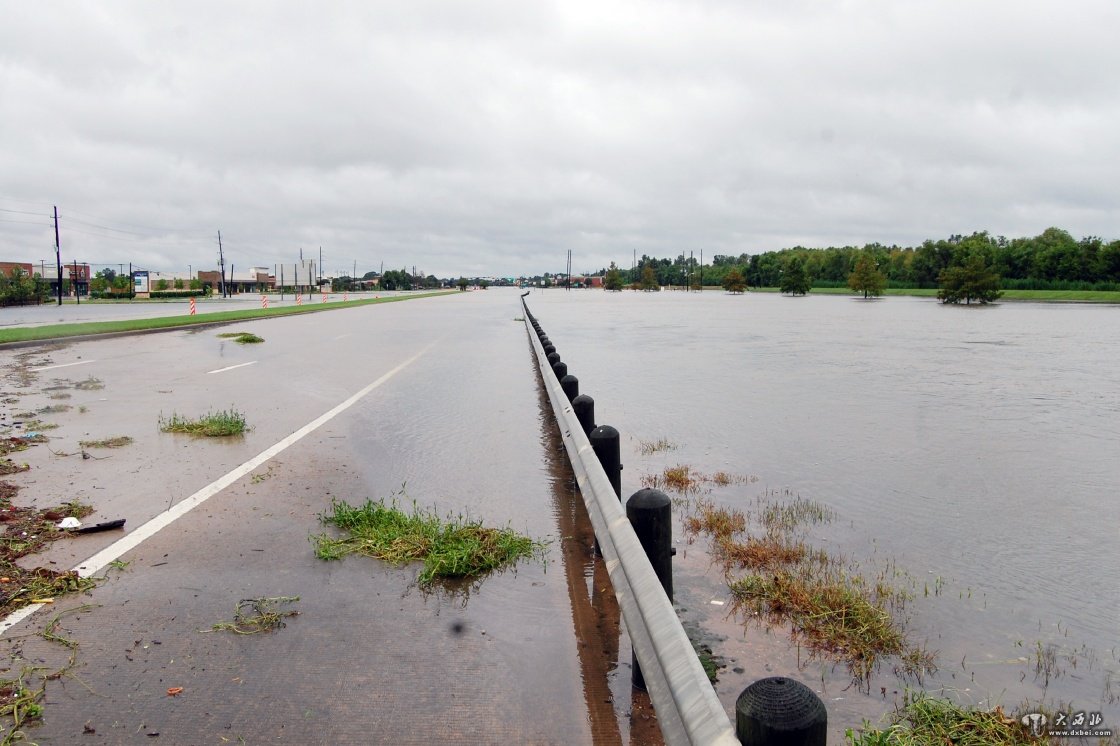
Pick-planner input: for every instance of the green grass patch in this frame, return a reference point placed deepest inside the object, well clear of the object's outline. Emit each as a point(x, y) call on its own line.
point(449, 548)
point(54, 331)
point(926, 721)
point(212, 425)
point(242, 338)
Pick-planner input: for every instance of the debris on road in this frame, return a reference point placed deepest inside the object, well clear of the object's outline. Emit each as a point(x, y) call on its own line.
point(255, 615)
point(106, 526)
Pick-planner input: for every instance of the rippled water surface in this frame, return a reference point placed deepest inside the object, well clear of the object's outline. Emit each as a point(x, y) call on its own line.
point(977, 449)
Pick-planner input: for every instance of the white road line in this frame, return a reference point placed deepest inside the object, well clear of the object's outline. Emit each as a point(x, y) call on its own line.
point(133, 539)
point(61, 365)
point(342, 336)
point(240, 365)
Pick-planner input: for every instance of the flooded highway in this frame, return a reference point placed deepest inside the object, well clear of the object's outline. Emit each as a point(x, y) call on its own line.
point(434, 401)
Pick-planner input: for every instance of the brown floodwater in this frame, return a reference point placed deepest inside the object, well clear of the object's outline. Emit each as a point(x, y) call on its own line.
point(968, 453)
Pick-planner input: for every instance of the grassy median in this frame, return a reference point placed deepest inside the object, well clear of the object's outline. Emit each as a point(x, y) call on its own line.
point(56, 331)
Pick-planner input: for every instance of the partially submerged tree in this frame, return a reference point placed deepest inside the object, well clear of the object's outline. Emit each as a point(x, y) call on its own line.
point(649, 279)
point(613, 278)
point(975, 281)
point(734, 282)
point(867, 278)
point(795, 280)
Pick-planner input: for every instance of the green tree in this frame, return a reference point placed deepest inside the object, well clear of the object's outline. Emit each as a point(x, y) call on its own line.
point(613, 278)
point(734, 282)
point(973, 281)
point(161, 284)
point(463, 284)
point(484, 284)
point(866, 278)
point(20, 288)
point(795, 280)
point(649, 279)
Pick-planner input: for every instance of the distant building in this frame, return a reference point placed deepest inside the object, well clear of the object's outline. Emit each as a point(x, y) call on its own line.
point(7, 268)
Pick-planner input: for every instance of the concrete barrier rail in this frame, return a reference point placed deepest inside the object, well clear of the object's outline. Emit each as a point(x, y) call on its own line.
point(688, 710)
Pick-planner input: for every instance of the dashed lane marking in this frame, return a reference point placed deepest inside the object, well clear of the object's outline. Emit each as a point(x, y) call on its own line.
point(61, 365)
point(231, 367)
point(161, 521)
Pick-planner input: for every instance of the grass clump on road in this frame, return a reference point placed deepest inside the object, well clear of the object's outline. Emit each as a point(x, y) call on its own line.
point(212, 425)
point(256, 615)
point(242, 338)
point(449, 548)
point(117, 441)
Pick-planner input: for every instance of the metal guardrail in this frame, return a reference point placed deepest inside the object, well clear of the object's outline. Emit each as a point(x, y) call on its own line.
point(688, 710)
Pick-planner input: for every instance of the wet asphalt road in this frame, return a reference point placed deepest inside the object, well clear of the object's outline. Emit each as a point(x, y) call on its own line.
point(370, 658)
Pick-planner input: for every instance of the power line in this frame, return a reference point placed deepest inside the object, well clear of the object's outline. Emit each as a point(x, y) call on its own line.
point(26, 222)
point(23, 201)
point(70, 229)
point(23, 212)
point(103, 227)
point(155, 228)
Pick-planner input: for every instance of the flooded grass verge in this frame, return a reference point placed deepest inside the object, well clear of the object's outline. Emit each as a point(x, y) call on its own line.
point(928, 721)
point(453, 547)
point(832, 610)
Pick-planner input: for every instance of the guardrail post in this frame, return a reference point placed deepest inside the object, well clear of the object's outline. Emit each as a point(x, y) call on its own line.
point(560, 369)
point(553, 358)
point(549, 349)
point(605, 443)
point(570, 384)
point(778, 710)
point(584, 407)
point(650, 512)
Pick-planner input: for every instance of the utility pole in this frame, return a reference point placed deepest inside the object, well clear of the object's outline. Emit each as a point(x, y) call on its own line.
point(77, 297)
point(319, 273)
point(57, 255)
point(222, 263)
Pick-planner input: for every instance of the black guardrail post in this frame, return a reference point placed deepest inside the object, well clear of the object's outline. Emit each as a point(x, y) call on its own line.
point(777, 710)
point(605, 442)
point(560, 369)
point(553, 358)
point(650, 512)
point(549, 348)
point(570, 384)
point(584, 407)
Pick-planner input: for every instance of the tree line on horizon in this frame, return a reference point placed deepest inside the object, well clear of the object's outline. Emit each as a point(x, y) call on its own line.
point(1052, 260)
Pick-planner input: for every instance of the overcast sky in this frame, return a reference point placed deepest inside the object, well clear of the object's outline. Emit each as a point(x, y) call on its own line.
point(488, 137)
